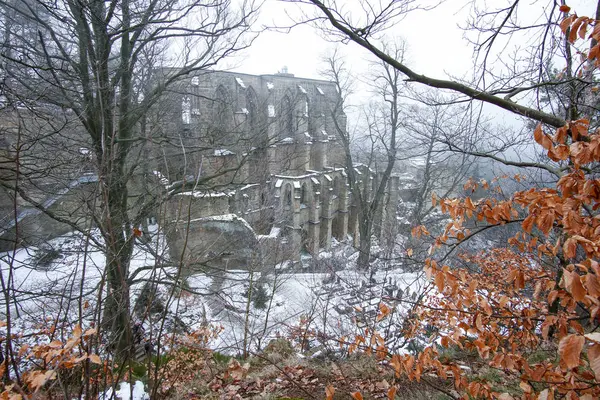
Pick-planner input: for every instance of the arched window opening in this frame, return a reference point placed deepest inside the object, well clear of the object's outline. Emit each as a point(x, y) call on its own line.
point(303, 195)
point(288, 197)
point(221, 117)
point(252, 107)
point(286, 117)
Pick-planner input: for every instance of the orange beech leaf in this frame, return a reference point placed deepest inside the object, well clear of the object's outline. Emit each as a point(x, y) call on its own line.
point(575, 29)
point(569, 350)
point(409, 252)
point(583, 29)
point(23, 350)
point(391, 394)
point(357, 396)
point(573, 285)
point(566, 23)
point(479, 322)
point(95, 359)
point(329, 392)
point(384, 310)
point(77, 331)
point(594, 357)
point(90, 332)
point(594, 51)
point(561, 135)
point(538, 134)
point(570, 247)
point(137, 232)
point(40, 378)
point(561, 152)
point(545, 222)
point(541, 138)
point(526, 387)
point(528, 223)
point(439, 280)
point(564, 8)
point(592, 284)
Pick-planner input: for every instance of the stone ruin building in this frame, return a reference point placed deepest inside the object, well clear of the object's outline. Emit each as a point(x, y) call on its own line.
point(279, 187)
point(251, 167)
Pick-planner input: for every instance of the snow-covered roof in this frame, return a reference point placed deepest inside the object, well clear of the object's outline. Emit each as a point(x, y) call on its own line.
point(240, 82)
point(224, 218)
point(223, 152)
point(203, 194)
point(9, 221)
point(163, 179)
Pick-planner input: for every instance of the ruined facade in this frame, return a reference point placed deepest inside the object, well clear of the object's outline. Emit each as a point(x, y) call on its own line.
point(268, 157)
point(249, 171)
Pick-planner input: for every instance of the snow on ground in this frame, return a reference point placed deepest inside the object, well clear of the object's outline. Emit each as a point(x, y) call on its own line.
point(126, 392)
point(331, 304)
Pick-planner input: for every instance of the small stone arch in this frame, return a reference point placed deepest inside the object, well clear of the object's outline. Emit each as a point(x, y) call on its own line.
point(301, 112)
point(286, 117)
point(305, 195)
point(287, 205)
point(337, 186)
point(222, 113)
point(252, 119)
point(288, 196)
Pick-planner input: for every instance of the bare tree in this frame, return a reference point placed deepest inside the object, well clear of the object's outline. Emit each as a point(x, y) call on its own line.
point(383, 125)
point(95, 63)
point(501, 91)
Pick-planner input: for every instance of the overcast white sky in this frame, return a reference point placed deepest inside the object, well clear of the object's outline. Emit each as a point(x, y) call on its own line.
point(436, 44)
point(301, 49)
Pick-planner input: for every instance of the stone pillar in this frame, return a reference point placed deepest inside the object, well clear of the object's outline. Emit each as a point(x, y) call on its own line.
point(243, 174)
point(296, 229)
point(314, 222)
point(340, 225)
point(301, 158)
point(326, 211)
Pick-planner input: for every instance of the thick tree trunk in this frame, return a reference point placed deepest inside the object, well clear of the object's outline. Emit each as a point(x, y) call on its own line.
point(365, 228)
point(119, 239)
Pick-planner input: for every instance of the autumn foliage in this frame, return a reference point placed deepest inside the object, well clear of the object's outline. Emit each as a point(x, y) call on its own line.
point(540, 294)
point(51, 359)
